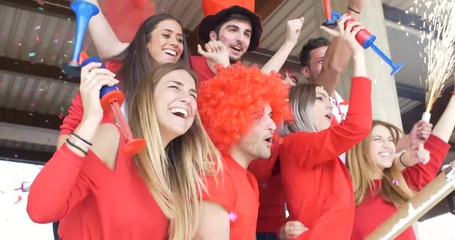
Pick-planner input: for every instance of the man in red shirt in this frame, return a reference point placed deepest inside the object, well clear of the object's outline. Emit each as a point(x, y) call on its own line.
point(236, 109)
point(237, 28)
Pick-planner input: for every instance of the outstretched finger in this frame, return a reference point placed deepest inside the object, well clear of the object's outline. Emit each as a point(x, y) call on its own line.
point(200, 50)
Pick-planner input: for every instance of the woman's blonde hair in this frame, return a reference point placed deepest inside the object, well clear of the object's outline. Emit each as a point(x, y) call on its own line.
point(362, 168)
point(173, 173)
point(301, 100)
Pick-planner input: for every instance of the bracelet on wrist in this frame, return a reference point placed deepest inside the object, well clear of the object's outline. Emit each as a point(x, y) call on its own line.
point(401, 160)
point(87, 143)
point(76, 147)
point(350, 8)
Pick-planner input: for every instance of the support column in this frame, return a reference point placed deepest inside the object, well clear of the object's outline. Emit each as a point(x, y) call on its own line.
point(385, 98)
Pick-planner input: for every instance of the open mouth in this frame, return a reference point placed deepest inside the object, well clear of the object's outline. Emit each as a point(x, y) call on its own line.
point(237, 49)
point(170, 52)
point(385, 154)
point(179, 112)
point(269, 140)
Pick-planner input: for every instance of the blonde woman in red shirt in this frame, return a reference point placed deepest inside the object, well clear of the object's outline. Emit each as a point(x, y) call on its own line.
point(99, 193)
point(382, 182)
point(316, 183)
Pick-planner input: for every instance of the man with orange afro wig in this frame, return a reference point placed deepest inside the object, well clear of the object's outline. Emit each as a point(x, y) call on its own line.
point(240, 108)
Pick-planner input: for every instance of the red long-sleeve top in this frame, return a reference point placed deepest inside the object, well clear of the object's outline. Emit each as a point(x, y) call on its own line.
point(416, 177)
point(94, 202)
point(316, 183)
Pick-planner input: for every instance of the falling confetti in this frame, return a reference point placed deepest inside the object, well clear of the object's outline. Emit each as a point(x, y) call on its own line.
point(19, 198)
point(395, 182)
point(232, 216)
point(41, 9)
point(37, 39)
point(38, 27)
point(31, 54)
point(25, 187)
point(19, 44)
point(32, 105)
point(40, 3)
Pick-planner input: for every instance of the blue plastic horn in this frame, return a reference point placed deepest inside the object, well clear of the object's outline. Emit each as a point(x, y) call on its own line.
point(84, 12)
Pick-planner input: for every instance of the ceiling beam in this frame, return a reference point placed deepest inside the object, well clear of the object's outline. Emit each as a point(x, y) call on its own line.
point(35, 69)
point(28, 134)
point(22, 155)
point(406, 19)
point(56, 8)
point(30, 119)
point(410, 92)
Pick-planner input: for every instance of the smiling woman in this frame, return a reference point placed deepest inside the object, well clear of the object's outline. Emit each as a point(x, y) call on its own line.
point(384, 182)
point(316, 185)
point(99, 193)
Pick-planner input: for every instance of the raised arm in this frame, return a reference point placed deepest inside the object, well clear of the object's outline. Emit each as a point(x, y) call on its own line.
point(292, 36)
point(419, 174)
point(106, 42)
point(446, 124)
point(61, 184)
point(335, 62)
point(330, 143)
point(355, 8)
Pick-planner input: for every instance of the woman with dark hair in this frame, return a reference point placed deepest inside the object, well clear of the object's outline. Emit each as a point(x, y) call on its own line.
point(316, 184)
point(162, 37)
point(382, 182)
point(97, 192)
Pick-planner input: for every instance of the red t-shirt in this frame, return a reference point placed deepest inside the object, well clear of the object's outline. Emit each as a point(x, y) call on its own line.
point(271, 215)
point(316, 183)
point(201, 68)
point(235, 189)
point(416, 177)
point(94, 202)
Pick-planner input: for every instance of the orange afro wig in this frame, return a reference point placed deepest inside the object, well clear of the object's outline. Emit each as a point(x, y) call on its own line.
point(229, 101)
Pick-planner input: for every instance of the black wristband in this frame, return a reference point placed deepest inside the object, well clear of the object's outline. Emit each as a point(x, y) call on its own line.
point(83, 140)
point(401, 161)
point(350, 8)
point(75, 146)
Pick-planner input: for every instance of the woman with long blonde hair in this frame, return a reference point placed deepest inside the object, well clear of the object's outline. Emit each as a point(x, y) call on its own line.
point(382, 182)
point(97, 192)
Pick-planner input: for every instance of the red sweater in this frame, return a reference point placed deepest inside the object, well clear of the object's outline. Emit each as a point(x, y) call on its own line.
point(201, 68)
point(316, 183)
point(416, 177)
point(235, 189)
point(94, 202)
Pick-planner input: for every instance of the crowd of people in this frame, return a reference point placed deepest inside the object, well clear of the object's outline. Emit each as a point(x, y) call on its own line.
point(232, 151)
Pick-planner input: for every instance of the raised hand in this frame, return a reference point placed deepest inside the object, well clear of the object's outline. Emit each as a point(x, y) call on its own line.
point(294, 27)
point(216, 52)
point(92, 79)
